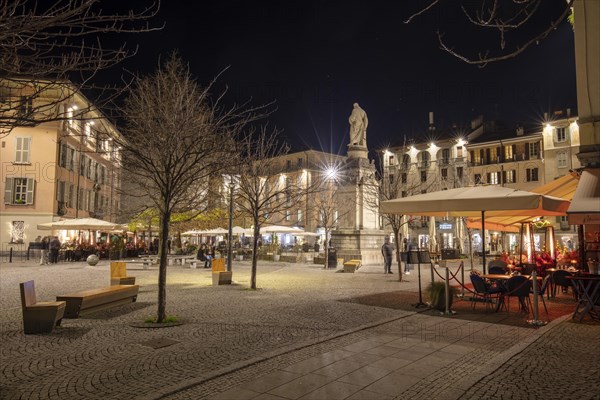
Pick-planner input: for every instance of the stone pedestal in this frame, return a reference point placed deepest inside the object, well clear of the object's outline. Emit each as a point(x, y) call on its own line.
point(358, 236)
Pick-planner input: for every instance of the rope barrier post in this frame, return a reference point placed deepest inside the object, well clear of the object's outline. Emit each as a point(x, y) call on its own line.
point(447, 287)
point(535, 321)
point(10, 255)
point(432, 268)
point(462, 277)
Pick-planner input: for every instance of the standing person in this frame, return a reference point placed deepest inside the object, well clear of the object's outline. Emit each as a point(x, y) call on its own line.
point(412, 246)
point(45, 249)
point(387, 250)
point(54, 248)
point(168, 246)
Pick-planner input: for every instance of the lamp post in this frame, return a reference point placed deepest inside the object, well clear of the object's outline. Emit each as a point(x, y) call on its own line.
point(230, 227)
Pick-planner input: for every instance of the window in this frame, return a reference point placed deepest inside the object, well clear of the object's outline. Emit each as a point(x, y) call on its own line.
point(446, 155)
point(532, 174)
point(477, 179)
point(475, 157)
point(509, 176)
point(403, 178)
point(25, 105)
point(288, 164)
point(425, 157)
point(459, 172)
point(492, 178)
point(508, 153)
point(561, 135)
point(19, 191)
point(299, 215)
point(423, 176)
point(405, 161)
point(391, 177)
point(300, 161)
point(444, 174)
point(459, 152)
point(403, 194)
point(534, 150)
point(561, 159)
point(391, 160)
point(23, 149)
point(71, 194)
point(288, 215)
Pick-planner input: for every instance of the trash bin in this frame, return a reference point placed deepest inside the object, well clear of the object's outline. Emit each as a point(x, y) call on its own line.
point(332, 258)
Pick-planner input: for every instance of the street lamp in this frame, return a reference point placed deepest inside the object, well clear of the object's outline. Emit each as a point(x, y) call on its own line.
point(232, 183)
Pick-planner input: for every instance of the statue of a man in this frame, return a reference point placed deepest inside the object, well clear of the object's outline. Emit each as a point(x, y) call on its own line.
point(358, 126)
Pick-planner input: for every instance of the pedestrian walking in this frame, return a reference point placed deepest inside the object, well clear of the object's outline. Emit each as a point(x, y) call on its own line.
point(387, 251)
point(54, 248)
point(45, 249)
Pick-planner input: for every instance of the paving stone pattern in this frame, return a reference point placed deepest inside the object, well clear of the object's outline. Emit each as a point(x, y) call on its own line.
point(299, 336)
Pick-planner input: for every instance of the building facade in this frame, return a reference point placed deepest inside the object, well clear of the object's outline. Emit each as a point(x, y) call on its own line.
point(486, 155)
point(59, 168)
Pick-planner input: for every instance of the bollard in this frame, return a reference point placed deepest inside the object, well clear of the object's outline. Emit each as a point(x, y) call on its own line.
point(10, 255)
point(462, 277)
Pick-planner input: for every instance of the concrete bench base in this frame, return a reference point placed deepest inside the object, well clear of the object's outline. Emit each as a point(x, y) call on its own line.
point(221, 278)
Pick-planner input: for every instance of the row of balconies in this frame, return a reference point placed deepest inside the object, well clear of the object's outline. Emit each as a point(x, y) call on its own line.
point(444, 162)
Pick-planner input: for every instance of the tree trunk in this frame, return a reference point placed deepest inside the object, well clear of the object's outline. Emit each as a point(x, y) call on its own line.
point(254, 255)
point(398, 237)
point(162, 272)
point(326, 244)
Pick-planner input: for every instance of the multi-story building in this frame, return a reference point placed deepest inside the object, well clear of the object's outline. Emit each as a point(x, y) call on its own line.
point(487, 155)
point(63, 167)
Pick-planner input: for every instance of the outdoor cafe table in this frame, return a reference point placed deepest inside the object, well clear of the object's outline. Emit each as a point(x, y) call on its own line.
point(587, 289)
point(503, 277)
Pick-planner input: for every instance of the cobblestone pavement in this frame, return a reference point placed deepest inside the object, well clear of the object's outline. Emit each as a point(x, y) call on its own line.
point(232, 335)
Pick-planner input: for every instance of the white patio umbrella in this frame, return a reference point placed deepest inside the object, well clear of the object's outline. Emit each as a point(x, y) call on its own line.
point(80, 224)
point(432, 238)
point(280, 229)
point(238, 230)
point(478, 201)
point(216, 231)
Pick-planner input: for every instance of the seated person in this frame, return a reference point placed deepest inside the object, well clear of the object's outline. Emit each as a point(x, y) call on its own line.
point(204, 256)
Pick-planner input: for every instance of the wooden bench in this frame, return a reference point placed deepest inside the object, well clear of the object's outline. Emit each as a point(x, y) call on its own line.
point(118, 274)
point(88, 301)
point(39, 317)
point(352, 265)
point(219, 275)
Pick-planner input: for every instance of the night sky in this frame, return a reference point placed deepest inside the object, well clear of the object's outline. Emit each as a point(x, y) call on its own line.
point(314, 59)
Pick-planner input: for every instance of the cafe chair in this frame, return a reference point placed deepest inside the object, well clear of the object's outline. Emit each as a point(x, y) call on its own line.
point(518, 286)
point(484, 291)
point(559, 279)
point(498, 267)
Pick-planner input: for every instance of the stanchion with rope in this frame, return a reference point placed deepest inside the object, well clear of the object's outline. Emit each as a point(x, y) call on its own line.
point(535, 321)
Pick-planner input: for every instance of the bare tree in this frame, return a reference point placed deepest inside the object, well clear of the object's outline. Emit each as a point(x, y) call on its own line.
point(505, 17)
point(261, 194)
point(46, 49)
point(177, 139)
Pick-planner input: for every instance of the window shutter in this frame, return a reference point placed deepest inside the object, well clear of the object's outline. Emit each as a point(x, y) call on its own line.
point(30, 191)
point(527, 151)
point(528, 175)
point(26, 149)
point(489, 177)
point(503, 177)
point(19, 150)
point(8, 190)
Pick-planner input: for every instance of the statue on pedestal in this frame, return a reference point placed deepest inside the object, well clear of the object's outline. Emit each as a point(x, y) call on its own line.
point(358, 126)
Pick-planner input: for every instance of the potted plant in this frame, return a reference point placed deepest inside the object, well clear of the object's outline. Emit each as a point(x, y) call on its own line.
point(436, 291)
